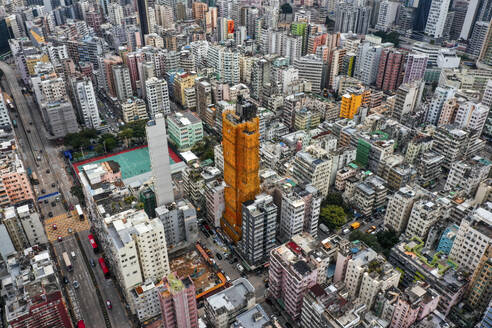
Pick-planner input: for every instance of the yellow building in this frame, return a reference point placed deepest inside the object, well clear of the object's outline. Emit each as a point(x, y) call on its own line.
point(352, 100)
point(182, 82)
point(241, 143)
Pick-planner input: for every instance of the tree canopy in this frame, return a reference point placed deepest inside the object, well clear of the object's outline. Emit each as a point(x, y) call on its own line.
point(333, 216)
point(286, 8)
point(393, 37)
point(382, 242)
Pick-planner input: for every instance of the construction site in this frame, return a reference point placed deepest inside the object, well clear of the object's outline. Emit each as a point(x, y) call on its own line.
point(202, 270)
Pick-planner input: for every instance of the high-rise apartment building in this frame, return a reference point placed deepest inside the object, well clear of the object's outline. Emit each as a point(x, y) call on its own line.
point(157, 95)
point(354, 268)
point(122, 82)
point(313, 166)
point(290, 277)
point(159, 160)
point(485, 57)
point(425, 213)
point(225, 61)
point(467, 174)
point(136, 248)
point(472, 116)
point(472, 239)
point(4, 113)
point(143, 11)
point(437, 18)
point(407, 99)
point(378, 277)
point(24, 226)
point(390, 71)
point(415, 67)
point(203, 98)
point(241, 137)
point(441, 94)
point(351, 101)
point(352, 16)
point(450, 142)
point(387, 14)
point(60, 118)
point(180, 224)
point(310, 68)
point(480, 289)
point(399, 208)
point(477, 38)
point(299, 212)
point(367, 63)
point(86, 101)
point(178, 302)
point(258, 229)
point(134, 109)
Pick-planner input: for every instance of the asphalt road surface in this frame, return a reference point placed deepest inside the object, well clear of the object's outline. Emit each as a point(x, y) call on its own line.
point(85, 295)
point(36, 151)
point(117, 315)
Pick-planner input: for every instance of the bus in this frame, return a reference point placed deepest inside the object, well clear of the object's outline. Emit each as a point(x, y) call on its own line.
point(34, 178)
point(81, 324)
point(66, 259)
point(104, 268)
point(93, 243)
point(79, 212)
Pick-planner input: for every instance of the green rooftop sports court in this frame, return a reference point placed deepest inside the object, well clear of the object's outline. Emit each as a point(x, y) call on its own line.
point(132, 162)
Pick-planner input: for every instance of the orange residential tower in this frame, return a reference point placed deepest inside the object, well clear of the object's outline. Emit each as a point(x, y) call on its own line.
point(241, 142)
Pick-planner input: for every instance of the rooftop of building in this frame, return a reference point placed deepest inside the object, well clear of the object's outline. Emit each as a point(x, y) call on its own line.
point(232, 298)
point(255, 317)
point(29, 275)
point(435, 264)
point(122, 226)
point(183, 118)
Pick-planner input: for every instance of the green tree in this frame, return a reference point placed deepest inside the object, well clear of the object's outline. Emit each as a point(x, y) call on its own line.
point(387, 239)
point(333, 198)
point(286, 8)
point(368, 239)
point(393, 37)
point(333, 216)
point(76, 191)
point(109, 142)
point(126, 135)
point(80, 139)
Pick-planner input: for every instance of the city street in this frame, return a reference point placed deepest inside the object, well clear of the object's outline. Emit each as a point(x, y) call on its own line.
point(85, 303)
point(38, 154)
point(117, 315)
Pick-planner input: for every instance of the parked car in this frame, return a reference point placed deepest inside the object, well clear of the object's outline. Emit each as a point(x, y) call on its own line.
point(65, 280)
point(218, 256)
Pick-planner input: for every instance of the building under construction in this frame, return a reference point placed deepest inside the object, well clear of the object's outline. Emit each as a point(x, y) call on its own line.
point(241, 142)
